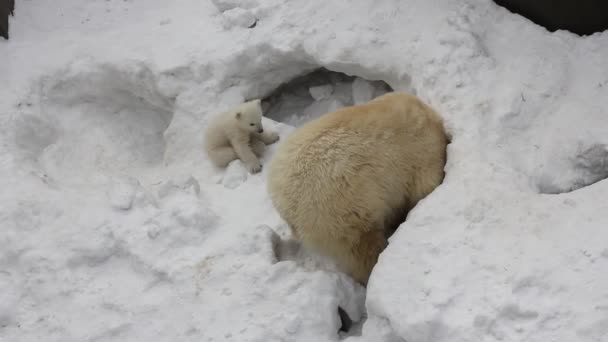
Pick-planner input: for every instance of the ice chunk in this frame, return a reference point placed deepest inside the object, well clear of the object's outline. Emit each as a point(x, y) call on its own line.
point(316, 109)
point(382, 88)
point(122, 193)
point(239, 17)
point(363, 91)
point(321, 92)
point(189, 184)
point(236, 173)
point(343, 92)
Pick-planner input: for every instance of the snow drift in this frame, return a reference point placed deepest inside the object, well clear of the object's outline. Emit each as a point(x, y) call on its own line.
point(114, 226)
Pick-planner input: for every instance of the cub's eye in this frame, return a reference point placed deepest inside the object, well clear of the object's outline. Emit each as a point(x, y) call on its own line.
point(251, 124)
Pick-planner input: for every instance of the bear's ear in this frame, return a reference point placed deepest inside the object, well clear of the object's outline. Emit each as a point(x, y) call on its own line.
point(238, 115)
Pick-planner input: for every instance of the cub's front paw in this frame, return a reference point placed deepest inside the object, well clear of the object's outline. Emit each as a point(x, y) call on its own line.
point(254, 167)
point(273, 137)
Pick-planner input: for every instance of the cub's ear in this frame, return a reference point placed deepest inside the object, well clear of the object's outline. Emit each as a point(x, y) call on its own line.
point(238, 115)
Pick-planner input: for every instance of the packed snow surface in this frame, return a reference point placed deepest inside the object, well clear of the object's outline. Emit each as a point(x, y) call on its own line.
point(114, 226)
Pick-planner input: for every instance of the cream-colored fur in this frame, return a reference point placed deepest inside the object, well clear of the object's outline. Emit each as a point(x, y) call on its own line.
point(344, 181)
point(238, 134)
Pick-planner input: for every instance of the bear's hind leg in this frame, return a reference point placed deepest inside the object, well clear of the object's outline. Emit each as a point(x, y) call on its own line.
point(222, 156)
point(355, 252)
point(364, 255)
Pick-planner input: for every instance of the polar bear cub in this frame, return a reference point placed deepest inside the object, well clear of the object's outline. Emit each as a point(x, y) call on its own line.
point(238, 134)
point(345, 181)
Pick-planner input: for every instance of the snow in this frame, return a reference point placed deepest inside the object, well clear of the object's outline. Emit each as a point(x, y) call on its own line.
point(363, 91)
point(312, 95)
point(321, 92)
point(115, 226)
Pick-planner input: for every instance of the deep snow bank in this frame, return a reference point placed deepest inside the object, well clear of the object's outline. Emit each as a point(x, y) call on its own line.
point(116, 227)
point(488, 257)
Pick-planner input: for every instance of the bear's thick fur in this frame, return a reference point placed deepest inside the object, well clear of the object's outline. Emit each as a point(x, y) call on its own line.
point(343, 182)
point(238, 134)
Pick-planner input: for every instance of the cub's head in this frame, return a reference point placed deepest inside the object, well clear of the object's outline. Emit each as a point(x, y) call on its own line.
point(249, 116)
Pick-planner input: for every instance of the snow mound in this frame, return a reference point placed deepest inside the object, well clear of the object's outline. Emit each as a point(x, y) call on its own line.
point(587, 165)
point(490, 255)
point(88, 122)
point(263, 279)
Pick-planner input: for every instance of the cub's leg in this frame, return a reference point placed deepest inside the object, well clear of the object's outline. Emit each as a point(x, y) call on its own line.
point(246, 155)
point(258, 147)
point(222, 156)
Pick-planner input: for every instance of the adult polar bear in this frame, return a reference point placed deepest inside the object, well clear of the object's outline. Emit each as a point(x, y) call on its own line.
point(343, 182)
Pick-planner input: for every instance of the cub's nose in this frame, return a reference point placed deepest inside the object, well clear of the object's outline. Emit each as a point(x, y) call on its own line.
point(260, 130)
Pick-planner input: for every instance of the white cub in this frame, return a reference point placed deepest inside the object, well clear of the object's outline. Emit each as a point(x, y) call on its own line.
point(238, 134)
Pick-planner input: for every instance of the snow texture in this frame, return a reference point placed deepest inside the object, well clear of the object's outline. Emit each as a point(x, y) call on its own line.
point(114, 226)
point(311, 95)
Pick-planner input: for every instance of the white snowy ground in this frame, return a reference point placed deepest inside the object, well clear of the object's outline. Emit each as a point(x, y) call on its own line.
point(114, 226)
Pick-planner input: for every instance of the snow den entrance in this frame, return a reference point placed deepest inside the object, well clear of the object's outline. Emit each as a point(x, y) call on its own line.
point(309, 96)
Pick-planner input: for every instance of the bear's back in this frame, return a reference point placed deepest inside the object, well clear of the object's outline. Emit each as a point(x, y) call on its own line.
point(359, 160)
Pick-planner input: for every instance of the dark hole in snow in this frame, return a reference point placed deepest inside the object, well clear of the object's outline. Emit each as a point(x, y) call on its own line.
point(583, 17)
point(7, 7)
point(347, 323)
point(309, 96)
point(587, 167)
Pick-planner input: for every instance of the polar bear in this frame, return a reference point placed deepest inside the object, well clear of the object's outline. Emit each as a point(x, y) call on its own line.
point(346, 180)
point(238, 134)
